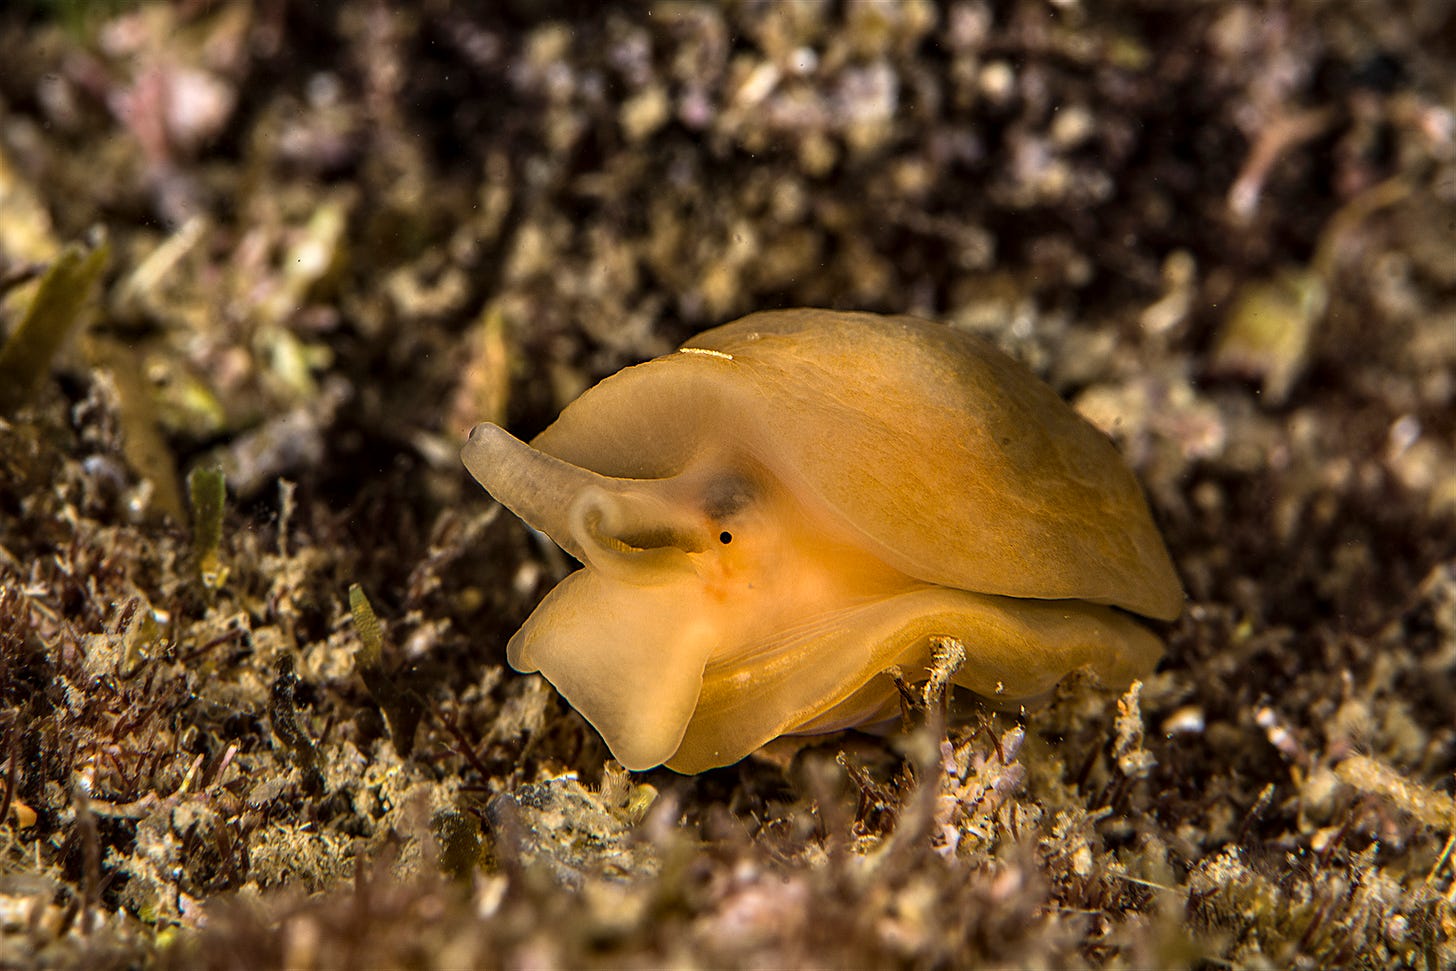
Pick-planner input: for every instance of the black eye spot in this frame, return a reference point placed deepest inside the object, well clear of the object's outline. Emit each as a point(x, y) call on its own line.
point(725, 537)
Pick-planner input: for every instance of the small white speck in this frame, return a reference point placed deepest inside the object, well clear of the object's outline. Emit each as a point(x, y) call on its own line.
point(1404, 433)
point(705, 350)
point(1187, 720)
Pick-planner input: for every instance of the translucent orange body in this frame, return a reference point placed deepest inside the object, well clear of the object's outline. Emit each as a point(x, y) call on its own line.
point(772, 516)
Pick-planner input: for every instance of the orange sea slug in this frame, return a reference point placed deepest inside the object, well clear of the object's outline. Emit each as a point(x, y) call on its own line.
point(790, 504)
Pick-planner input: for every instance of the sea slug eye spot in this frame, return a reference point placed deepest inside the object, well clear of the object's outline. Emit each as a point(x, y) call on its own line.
point(725, 537)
